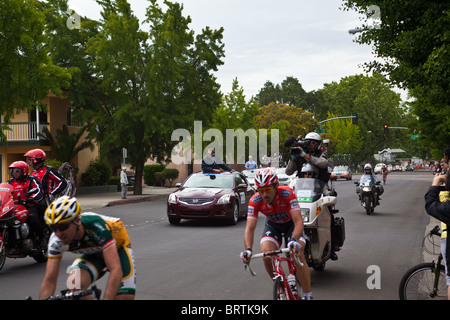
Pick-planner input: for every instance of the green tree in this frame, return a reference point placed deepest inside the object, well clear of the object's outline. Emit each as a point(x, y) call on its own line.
point(290, 120)
point(153, 82)
point(27, 72)
point(376, 104)
point(348, 138)
point(412, 40)
point(290, 92)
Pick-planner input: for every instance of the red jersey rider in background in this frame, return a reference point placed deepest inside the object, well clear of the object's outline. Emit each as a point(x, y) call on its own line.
point(53, 184)
point(23, 183)
point(282, 210)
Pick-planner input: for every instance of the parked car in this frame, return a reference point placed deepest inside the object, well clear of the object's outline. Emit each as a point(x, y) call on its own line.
point(250, 175)
point(283, 178)
point(397, 167)
point(222, 196)
point(409, 168)
point(378, 167)
point(341, 172)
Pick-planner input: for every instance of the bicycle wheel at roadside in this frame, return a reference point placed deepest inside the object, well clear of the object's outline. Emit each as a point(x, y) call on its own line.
point(68, 172)
point(425, 281)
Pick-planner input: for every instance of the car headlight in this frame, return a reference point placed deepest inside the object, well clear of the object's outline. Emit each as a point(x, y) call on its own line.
point(172, 198)
point(224, 199)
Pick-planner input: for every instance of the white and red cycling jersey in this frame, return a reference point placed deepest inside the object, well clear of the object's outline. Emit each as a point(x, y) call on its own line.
point(277, 212)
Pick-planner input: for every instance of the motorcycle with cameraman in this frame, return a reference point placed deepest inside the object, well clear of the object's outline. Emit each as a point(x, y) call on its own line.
point(307, 151)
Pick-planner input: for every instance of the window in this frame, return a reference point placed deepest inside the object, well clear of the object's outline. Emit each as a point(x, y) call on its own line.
point(73, 118)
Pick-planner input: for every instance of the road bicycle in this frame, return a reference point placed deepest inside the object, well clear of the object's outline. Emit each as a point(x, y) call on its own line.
point(425, 281)
point(282, 288)
point(68, 172)
point(75, 295)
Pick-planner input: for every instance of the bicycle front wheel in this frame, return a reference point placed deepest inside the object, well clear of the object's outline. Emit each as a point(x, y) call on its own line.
point(278, 290)
point(420, 283)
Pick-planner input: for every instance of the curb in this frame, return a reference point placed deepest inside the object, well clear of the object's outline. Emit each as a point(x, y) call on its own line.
point(136, 200)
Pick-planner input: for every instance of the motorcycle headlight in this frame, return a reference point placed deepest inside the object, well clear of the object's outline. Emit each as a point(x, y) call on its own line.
point(305, 214)
point(224, 199)
point(366, 189)
point(172, 198)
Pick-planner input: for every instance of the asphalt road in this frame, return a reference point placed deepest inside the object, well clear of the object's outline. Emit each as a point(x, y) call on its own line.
point(198, 260)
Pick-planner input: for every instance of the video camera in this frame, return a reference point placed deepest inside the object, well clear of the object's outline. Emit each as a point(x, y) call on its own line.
point(295, 143)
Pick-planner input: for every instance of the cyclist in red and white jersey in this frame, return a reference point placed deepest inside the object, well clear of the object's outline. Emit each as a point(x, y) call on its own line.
point(282, 210)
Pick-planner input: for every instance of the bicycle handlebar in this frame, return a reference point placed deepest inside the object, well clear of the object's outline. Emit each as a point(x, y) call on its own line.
point(270, 254)
point(75, 295)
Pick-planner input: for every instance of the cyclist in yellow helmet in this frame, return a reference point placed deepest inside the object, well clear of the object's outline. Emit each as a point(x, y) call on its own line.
point(103, 243)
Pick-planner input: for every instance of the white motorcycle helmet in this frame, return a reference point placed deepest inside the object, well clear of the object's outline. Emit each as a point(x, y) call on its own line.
point(367, 167)
point(314, 136)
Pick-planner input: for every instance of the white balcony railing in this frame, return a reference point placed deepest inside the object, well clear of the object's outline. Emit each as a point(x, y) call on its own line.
point(23, 131)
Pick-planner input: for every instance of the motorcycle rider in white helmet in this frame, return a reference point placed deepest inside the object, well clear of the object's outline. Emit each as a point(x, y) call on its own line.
point(368, 172)
point(313, 155)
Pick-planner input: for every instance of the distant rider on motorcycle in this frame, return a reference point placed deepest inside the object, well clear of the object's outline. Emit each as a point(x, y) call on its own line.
point(282, 210)
point(368, 173)
point(23, 183)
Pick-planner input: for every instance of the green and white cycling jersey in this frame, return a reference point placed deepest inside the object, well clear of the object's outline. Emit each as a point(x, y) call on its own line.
point(100, 233)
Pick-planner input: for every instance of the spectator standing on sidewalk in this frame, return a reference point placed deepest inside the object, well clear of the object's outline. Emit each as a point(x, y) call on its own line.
point(124, 182)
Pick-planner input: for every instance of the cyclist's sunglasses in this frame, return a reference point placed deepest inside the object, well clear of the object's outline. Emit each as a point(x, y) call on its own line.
point(60, 227)
point(265, 189)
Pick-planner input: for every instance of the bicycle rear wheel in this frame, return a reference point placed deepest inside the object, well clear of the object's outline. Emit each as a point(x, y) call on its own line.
point(68, 172)
point(418, 283)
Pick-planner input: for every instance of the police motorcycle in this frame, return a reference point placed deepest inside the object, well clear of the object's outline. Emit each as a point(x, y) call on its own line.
point(324, 233)
point(368, 190)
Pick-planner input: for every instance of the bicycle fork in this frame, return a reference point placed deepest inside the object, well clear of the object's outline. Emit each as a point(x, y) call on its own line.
point(437, 274)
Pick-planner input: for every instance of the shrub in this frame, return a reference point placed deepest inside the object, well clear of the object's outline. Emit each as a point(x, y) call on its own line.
point(98, 173)
point(149, 174)
point(170, 174)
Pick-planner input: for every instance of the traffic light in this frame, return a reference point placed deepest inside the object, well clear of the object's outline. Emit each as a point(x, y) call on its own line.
point(386, 128)
point(355, 118)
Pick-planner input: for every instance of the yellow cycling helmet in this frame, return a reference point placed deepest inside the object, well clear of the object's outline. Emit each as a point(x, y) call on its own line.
point(62, 210)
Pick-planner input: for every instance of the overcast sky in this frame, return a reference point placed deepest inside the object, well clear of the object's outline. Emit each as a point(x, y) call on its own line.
point(271, 40)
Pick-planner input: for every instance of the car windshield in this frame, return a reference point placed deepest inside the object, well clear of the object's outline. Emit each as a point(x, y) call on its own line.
point(307, 189)
point(250, 173)
point(209, 181)
point(339, 168)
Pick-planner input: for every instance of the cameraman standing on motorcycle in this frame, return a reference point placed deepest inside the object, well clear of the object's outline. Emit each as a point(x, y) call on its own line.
point(22, 184)
point(280, 206)
point(309, 152)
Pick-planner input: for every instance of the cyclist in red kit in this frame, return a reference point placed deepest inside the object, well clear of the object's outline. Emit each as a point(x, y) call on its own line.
point(282, 210)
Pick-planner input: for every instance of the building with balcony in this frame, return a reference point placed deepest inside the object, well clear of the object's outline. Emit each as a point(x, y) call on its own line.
point(23, 134)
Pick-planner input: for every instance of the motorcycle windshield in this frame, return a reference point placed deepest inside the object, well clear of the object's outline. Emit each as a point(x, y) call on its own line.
point(365, 180)
point(308, 189)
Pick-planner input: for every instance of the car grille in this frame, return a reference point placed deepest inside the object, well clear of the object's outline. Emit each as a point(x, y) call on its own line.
point(195, 213)
point(198, 201)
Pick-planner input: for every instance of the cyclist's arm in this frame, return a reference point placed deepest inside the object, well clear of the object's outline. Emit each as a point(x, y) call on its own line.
point(296, 217)
point(112, 262)
point(249, 233)
point(51, 276)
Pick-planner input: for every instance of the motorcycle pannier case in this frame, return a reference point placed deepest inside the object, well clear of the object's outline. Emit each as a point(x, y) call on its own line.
point(338, 231)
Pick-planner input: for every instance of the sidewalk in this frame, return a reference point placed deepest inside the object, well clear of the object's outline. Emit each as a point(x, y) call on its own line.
point(107, 199)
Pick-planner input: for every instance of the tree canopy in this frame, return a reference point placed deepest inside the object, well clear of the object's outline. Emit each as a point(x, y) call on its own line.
point(412, 40)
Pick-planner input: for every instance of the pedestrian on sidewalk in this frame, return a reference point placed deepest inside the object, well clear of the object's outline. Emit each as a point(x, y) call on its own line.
point(124, 182)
